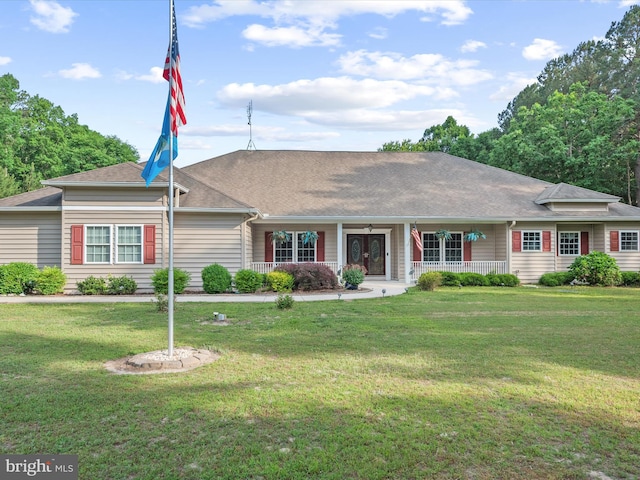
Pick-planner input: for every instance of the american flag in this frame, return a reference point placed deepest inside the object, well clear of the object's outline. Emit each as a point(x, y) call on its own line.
point(416, 237)
point(171, 73)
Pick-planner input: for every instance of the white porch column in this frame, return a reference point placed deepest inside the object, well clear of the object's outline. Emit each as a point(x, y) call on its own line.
point(339, 245)
point(407, 252)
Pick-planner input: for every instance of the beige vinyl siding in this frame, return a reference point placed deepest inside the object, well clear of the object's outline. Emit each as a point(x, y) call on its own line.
point(248, 245)
point(530, 266)
point(114, 197)
point(141, 273)
point(202, 239)
point(627, 261)
point(32, 237)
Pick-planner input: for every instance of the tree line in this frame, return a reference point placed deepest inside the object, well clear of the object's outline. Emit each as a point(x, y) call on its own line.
point(38, 141)
point(579, 123)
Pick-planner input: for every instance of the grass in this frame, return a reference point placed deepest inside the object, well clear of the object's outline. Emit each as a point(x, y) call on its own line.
point(477, 383)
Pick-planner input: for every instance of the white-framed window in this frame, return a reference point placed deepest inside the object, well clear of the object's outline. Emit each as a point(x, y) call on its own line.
point(453, 248)
point(569, 243)
point(97, 244)
point(129, 244)
point(434, 249)
point(100, 243)
point(295, 249)
point(531, 241)
point(431, 248)
point(629, 241)
point(305, 252)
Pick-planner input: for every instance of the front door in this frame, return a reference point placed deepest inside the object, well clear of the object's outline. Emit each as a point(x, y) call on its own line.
point(367, 251)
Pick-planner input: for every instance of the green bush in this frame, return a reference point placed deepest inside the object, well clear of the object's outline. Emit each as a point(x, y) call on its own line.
point(555, 279)
point(596, 268)
point(160, 280)
point(310, 276)
point(353, 275)
point(216, 279)
point(92, 286)
point(450, 279)
point(430, 281)
point(51, 280)
point(502, 280)
point(284, 301)
point(630, 279)
point(248, 281)
point(279, 281)
point(469, 279)
point(17, 278)
point(123, 285)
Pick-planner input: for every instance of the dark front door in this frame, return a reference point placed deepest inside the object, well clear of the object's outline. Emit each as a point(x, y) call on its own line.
point(368, 251)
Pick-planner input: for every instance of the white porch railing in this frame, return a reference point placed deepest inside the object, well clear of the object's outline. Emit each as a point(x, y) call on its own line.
point(458, 267)
point(266, 267)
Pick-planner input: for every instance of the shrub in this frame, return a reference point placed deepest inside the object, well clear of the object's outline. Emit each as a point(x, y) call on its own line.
point(469, 279)
point(502, 280)
point(284, 301)
point(248, 281)
point(17, 278)
point(51, 280)
point(429, 281)
point(92, 286)
point(216, 279)
point(555, 279)
point(450, 279)
point(279, 281)
point(630, 279)
point(596, 268)
point(123, 285)
point(309, 276)
point(160, 280)
point(353, 275)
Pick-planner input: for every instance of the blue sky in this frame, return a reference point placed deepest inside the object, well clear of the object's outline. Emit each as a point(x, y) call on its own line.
point(321, 75)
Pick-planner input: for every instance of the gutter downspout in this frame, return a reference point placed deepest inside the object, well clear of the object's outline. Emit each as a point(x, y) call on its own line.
point(510, 245)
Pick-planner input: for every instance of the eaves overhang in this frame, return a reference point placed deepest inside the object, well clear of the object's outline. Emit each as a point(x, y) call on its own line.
point(165, 185)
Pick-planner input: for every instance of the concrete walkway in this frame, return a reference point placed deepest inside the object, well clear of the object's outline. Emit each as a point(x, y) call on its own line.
point(372, 289)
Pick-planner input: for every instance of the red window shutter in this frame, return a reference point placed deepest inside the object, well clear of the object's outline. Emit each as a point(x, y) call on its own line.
point(268, 247)
point(417, 253)
point(516, 241)
point(77, 244)
point(546, 241)
point(614, 236)
point(149, 244)
point(584, 243)
point(320, 247)
point(466, 250)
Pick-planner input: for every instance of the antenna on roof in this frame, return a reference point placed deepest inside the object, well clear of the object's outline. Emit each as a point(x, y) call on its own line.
point(249, 112)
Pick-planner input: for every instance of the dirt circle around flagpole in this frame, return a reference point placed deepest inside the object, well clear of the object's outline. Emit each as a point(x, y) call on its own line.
point(184, 359)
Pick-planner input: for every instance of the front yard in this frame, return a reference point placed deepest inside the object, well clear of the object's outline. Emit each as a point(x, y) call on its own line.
point(471, 383)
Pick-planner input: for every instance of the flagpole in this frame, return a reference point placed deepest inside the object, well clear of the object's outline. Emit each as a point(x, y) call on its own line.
point(170, 292)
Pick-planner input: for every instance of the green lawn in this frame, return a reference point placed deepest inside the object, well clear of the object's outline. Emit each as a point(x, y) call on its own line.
point(473, 383)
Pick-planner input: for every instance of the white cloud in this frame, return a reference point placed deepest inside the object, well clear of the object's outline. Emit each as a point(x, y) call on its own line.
point(319, 12)
point(5, 60)
point(516, 82)
point(425, 67)
point(154, 75)
point(290, 36)
point(80, 71)
point(51, 17)
point(628, 3)
point(472, 46)
point(542, 49)
point(379, 33)
point(305, 97)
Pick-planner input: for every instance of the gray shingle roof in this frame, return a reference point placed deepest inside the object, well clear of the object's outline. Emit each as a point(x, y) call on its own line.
point(373, 184)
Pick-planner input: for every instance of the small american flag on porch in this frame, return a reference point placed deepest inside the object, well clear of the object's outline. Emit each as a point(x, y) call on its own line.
point(416, 237)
